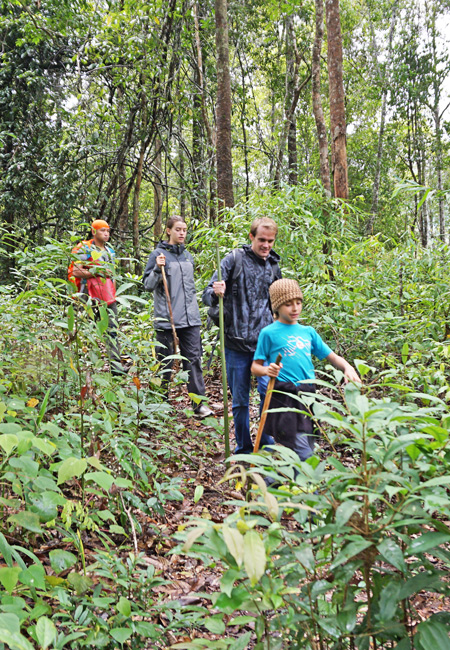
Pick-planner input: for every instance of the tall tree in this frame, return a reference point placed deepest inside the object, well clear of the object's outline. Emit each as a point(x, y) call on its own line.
point(383, 79)
point(223, 109)
point(317, 100)
point(338, 123)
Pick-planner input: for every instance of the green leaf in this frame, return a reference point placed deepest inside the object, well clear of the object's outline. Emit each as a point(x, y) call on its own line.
point(345, 511)
point(254, 556)
point(235, 543)
point(5, 550)
point(198, 493)
point(43, 445)
point(227, 581)
point(45, 632)
point(10, 622)
point(102, 479)
point(45, 504)
point(118, 530)
point(193, 535)
point(79, 582)
point(33, 577)
point(427, 542)
point(389, 599)
point(14, 640)
point(61, 560)
point(43, 408)
point(71, 467)
point(405, 352)
point(432, 635)
point(9, 577)
point(7, 442)
point(215, 624)
point(26, 519)
point(241, 642)
point(352, 549)
point(70, 318)
point(124, 606)
point(121, 634)
point(392, 553)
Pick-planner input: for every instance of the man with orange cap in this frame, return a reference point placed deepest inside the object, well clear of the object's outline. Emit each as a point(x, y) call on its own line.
point(99, 286)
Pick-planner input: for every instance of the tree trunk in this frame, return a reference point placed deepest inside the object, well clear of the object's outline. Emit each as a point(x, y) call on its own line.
point(157, 192)
point(317, 101)
point(437, 125)
point(202, 162)
point(376, 180)
point(182, 172)
point(223, 109)
point(337, 100)
point(290, 89)
point(137, 188)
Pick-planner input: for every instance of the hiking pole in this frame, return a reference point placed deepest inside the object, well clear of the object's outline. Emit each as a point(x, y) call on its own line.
point(265, 408)
point(226, 429)
point(169, 304)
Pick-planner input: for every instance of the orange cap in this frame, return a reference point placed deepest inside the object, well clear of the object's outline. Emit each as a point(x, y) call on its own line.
point(99, 223)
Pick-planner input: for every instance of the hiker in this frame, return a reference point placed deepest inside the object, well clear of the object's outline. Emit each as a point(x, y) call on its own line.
point(247, 274)
point(178, 264)
point(295, 373)
point(93, 277)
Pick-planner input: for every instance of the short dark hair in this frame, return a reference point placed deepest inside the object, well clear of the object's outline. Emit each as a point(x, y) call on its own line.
point(264, 222)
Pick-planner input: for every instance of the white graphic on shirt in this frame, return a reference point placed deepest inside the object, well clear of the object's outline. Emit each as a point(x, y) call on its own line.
point(295, 343)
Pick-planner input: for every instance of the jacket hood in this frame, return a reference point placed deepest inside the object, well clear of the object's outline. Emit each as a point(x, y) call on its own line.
point(176, 249)
point(273, 257)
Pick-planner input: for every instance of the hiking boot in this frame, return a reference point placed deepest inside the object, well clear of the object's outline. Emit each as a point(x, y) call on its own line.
point(203, 411)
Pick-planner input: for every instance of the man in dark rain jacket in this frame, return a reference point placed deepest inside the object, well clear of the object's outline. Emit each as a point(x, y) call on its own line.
point(247, 310)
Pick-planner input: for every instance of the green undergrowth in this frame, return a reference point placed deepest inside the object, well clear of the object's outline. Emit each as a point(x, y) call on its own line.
point(333, 558)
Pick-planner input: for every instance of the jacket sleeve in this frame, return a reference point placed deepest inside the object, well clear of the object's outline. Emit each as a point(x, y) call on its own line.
point(152, 274)
point(227, 266)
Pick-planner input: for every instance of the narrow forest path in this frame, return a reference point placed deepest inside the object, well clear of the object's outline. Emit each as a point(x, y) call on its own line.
point(192, 453)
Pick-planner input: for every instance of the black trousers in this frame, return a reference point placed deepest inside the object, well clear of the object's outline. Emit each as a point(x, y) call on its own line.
point(190, 348)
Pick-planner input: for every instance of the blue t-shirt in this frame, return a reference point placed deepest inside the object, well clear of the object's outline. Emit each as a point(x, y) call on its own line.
point(295, 343)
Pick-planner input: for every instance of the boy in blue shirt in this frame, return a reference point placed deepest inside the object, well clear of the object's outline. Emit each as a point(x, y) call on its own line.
point(295, 343)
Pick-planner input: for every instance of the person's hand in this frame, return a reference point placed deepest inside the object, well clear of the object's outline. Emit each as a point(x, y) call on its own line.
point(219, 288)
point(273, 370)
point(350, 374)
point(161, 260)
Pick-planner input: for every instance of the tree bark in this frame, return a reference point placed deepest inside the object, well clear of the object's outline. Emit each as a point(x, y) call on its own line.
point(223, 109)
point(337, 100)
point(317, 101)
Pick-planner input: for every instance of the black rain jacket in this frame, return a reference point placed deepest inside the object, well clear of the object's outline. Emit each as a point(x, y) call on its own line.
point(246, 302)
point(180, 279)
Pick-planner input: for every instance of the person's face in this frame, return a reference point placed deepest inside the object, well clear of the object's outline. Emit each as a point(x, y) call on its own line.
point(177, 234)
point(101, 236)
point(289, 313)
point(262, 241)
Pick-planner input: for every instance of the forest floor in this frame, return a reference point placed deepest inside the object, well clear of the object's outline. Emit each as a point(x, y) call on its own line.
point(198, 457)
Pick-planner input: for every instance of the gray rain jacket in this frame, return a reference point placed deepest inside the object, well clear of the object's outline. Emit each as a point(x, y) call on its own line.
point(246, 302)
point(180, 278)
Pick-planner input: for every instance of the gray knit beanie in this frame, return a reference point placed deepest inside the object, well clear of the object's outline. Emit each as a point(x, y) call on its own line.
point(283, 290)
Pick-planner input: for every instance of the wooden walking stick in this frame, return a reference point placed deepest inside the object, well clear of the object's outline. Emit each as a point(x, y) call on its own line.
point(265, 408)
point(169, 304)
point(226, 426)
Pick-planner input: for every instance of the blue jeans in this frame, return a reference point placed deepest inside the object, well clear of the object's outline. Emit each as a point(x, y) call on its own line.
point(239, 376)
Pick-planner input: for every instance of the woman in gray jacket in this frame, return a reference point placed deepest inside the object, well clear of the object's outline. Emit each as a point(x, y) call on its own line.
point(179, 267)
